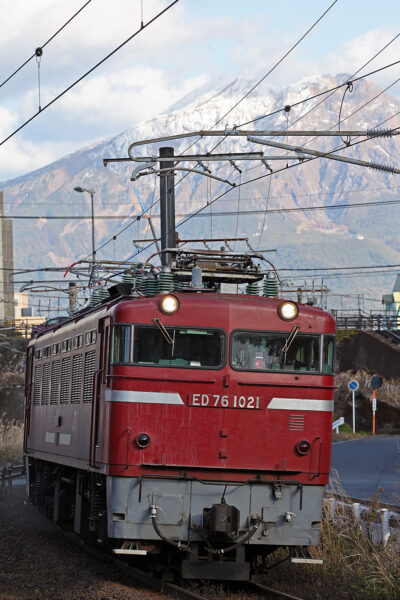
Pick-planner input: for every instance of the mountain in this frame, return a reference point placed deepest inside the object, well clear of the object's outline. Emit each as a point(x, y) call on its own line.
point(331, 238)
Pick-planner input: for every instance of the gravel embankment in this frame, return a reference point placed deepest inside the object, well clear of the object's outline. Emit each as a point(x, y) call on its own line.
point(37, 562)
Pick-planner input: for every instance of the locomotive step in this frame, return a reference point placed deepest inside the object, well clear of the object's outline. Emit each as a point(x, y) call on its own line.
point(129, 548)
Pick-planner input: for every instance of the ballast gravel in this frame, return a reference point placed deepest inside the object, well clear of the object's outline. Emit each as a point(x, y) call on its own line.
point(37, 562)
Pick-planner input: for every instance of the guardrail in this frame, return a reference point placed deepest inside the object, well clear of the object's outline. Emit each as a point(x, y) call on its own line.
point(378, 523)
point(7, 474)
point(336, 424)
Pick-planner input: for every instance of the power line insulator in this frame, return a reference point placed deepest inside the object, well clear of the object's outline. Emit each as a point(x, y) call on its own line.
point(39, 51)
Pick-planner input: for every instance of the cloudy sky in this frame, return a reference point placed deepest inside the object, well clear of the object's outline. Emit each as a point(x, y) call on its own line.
point(196, 42)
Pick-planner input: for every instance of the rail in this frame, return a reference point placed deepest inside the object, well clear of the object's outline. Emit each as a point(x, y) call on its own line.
point(170, 589)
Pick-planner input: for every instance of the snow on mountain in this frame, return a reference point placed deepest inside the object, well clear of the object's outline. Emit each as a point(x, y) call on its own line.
point(303, 238)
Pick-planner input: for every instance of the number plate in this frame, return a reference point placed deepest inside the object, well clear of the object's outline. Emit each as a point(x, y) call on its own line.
point(225, 401)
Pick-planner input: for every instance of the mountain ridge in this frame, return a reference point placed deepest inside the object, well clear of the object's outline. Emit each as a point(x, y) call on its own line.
point(317, 182)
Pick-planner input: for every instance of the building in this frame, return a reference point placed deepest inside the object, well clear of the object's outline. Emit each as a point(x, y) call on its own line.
point(24, 318)
point(391, 302)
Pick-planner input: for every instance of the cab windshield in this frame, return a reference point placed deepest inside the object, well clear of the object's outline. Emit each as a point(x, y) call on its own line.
point(182, 347)
point(272, 351)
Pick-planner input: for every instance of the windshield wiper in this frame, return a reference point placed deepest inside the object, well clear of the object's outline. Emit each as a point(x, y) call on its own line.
point(164, 332)
point(290, 338)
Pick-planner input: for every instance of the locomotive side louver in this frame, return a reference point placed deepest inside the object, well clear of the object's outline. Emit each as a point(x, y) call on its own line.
point(55, 382)
point(90, 367)
point(77, 369)
point(46, 384)
point(65, 380)
point(38, 384)
point(296, 423)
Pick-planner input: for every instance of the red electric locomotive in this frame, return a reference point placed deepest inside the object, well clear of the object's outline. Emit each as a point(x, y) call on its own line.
point(191, 428)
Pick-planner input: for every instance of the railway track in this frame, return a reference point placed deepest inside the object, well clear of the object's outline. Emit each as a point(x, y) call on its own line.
point(251, 589)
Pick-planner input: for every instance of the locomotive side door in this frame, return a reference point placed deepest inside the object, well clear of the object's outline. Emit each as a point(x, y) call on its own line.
point(100, 417)
point(28, 395)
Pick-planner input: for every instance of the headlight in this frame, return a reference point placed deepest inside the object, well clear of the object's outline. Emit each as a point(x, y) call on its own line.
point(288, 311)
point(169, 304)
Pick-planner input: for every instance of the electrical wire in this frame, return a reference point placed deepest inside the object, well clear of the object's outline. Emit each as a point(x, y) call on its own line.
point(45, 44)
point(197, 212)
point(307, 269)
point(296, 164)
point(301, 208)
point(256, 85)
point(276, 64)
point(261, 80)
point(304, 100)
point(319, 94)
point(43, 108)
point(366, 190)
point(348, 79)
point(265, 215)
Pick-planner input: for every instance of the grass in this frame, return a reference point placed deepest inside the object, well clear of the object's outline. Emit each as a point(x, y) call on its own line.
point(346, 433)
point(388, 393)
point(354, 568)
point(341, 334)
point(11, 441)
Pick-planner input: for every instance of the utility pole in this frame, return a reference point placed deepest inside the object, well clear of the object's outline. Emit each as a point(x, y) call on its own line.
point(167, 204)
point(92, 193)
point(72, 296)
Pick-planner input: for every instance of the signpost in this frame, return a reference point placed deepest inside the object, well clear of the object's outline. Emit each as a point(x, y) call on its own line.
point(353, 386)
point(375, 384)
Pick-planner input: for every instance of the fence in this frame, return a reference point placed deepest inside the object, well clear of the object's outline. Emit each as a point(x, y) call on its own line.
point(7, 475)
point(372, 321)
point(17, 328)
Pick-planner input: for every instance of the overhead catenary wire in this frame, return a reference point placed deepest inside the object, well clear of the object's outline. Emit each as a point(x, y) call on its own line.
point(301, 117)
point(293, 165)
point(346, 145)
point(274, 112)
point(45, 44)
point(259, 83)
point(113, 236)
point(336, 192)
point(293, 47)
point(319, 94)
point(241, 184)
point(307, 269)
point(43, 108)
point(251, 181)
point(215, 214)
point(264, 77)
point(142, 27)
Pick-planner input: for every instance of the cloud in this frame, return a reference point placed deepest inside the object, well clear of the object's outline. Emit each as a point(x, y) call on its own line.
point(20, 156)
point(353, 54)
point(129, 96)
point(347, 57)
point(182, 50)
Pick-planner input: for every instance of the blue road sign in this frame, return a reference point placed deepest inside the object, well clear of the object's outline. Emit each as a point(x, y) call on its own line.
point(353, 385)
